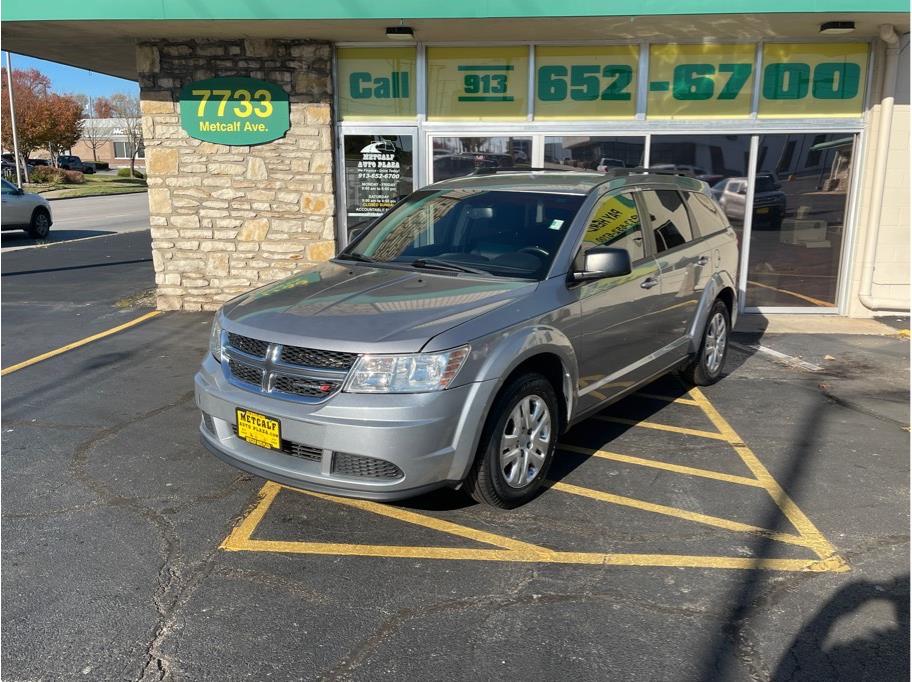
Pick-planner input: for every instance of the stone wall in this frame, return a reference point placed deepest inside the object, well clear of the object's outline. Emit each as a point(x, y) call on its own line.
point(228, 219)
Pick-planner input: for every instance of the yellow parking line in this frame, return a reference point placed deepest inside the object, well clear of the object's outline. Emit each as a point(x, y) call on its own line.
point(668, 398)
point(554, 557)
point(663, 427)
point(789, 509)
point(696, 517)
point(77, 344)
point(667, 466)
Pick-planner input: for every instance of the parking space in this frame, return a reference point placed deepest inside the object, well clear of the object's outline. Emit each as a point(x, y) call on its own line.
point(755, 529)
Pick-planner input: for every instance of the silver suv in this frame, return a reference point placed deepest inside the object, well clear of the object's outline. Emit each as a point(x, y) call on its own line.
point(462, 332)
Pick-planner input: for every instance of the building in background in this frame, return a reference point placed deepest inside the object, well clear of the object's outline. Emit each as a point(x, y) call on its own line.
point(106, 140)
point(271, 136)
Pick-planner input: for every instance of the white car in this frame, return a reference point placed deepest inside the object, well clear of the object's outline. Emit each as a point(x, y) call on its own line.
point(605, 163)
point(25, 211)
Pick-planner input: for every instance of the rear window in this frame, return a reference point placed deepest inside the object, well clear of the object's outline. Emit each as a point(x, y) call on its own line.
point(705, 213)
point(670, 224)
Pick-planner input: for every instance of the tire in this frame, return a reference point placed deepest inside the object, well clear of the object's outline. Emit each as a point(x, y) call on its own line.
point(706, 367)
point(503, 481)
point(40, 225)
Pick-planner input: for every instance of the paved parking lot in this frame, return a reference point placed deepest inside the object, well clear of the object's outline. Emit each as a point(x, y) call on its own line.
point(756, 529)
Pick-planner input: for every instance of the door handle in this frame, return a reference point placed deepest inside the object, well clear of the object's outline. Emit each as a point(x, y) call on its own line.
point(702, 260)
point(649, 282)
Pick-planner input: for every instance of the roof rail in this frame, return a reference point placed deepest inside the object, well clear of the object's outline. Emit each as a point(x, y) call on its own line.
point(484, 170)
point(641, 170)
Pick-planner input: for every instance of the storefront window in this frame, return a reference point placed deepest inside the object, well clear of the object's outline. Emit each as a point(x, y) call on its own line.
point(376, 82)
point(378, 172)
point(458, 156)
point(719, 160)
point(799, 219)
point(594, 152)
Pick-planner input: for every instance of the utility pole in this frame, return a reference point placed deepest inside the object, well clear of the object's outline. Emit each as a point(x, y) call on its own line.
point(9, 85)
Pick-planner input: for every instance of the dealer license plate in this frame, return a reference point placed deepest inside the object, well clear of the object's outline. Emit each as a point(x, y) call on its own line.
point(258, 429)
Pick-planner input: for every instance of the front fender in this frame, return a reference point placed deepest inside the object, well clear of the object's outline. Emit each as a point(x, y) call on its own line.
point(719, 281)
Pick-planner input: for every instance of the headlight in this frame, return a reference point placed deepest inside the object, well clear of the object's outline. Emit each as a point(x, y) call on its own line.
point(410, 373)
point(215, 339)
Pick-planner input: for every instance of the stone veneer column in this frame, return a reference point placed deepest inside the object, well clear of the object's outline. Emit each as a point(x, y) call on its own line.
point(228, 219)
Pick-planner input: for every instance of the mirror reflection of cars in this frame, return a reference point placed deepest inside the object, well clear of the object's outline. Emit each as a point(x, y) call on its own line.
point(25, 211)
point(460, 334)
point(448, 166)
point(605, 163)
point(769, 200)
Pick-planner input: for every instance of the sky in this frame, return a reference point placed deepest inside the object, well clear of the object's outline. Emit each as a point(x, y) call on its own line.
point(70, 80)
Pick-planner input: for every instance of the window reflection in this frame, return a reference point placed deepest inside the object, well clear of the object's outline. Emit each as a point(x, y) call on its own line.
point(458, 156)
point(593, 153)
point(799, 219)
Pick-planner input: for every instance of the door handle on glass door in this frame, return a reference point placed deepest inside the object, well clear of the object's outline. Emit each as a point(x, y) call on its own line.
point(649, 282)
point(702, 260)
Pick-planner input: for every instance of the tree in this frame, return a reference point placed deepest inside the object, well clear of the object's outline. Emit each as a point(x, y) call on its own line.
point(64, 123)
point(127, 107)
point(30, 91)
point(95, 136)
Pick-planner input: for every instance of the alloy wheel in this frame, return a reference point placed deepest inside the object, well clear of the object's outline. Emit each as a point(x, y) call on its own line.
point(525, 441)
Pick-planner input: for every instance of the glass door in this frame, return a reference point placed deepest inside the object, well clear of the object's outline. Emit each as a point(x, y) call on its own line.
point(799, 221)
point(379, 167)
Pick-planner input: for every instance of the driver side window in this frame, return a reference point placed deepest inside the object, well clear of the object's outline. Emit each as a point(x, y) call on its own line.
point(615, 222)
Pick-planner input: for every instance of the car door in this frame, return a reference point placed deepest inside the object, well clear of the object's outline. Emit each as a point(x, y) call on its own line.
point(15, 206)
point(613, 337)
point(681, 263)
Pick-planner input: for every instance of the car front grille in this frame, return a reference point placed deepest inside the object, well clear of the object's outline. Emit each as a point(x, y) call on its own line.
point(288, 372)
point(249, 374)
point(289, 447)
point(304, 386)
point(322, 359)
point(247, 345)
point(358, 466)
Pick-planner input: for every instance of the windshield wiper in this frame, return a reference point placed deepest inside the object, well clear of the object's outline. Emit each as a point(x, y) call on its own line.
point(435, 264)
point(356, 257)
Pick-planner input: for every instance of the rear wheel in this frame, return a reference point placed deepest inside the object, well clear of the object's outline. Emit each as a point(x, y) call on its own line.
point(517, 444)
point(706, 367)
point(40, 225)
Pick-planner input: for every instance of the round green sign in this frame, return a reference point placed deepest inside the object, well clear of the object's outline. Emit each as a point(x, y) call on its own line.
point(234, 110)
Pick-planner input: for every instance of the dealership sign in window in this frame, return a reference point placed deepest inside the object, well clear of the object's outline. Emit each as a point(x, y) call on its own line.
point(234, 110)
point(586, 82)
point(376, 82)
point(478, 82)
point(813, 79)
point(378, 172)
point(700, 81)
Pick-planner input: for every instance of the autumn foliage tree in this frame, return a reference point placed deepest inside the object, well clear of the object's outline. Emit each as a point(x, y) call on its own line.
point(43, 119)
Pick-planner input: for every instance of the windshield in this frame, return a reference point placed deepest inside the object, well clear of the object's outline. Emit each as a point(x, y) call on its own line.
point(497, 232)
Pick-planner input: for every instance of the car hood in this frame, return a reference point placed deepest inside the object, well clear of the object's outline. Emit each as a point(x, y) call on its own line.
point(364, 309)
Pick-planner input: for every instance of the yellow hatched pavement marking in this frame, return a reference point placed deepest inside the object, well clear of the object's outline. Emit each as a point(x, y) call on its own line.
point(668, 398)
point(512, 550)
point(658, 464)
point(662, 427)
point(787, 506)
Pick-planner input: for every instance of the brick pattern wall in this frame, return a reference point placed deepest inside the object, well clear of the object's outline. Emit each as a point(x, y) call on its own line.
point(228, 219)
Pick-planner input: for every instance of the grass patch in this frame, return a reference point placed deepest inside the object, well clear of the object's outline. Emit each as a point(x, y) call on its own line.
point(95, 186)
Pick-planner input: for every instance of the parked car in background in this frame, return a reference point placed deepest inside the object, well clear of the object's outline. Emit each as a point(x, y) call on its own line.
point(458, 336)
point(25, 211)
point(39, 162)
point(769, 200)
point(74, 163)
point(605, 163)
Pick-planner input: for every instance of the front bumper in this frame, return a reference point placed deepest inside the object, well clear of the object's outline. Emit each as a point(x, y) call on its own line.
point(430, 437)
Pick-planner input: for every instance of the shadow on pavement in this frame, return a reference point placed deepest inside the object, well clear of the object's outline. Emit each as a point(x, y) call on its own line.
point(881, 653)
point(77, 267)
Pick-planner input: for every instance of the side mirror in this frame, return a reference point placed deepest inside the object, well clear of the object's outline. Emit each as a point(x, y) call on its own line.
point(601, 262)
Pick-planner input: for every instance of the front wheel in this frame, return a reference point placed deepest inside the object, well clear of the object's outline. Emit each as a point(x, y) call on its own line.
point(517, 444)
point(706, 368)
point(40, 225)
